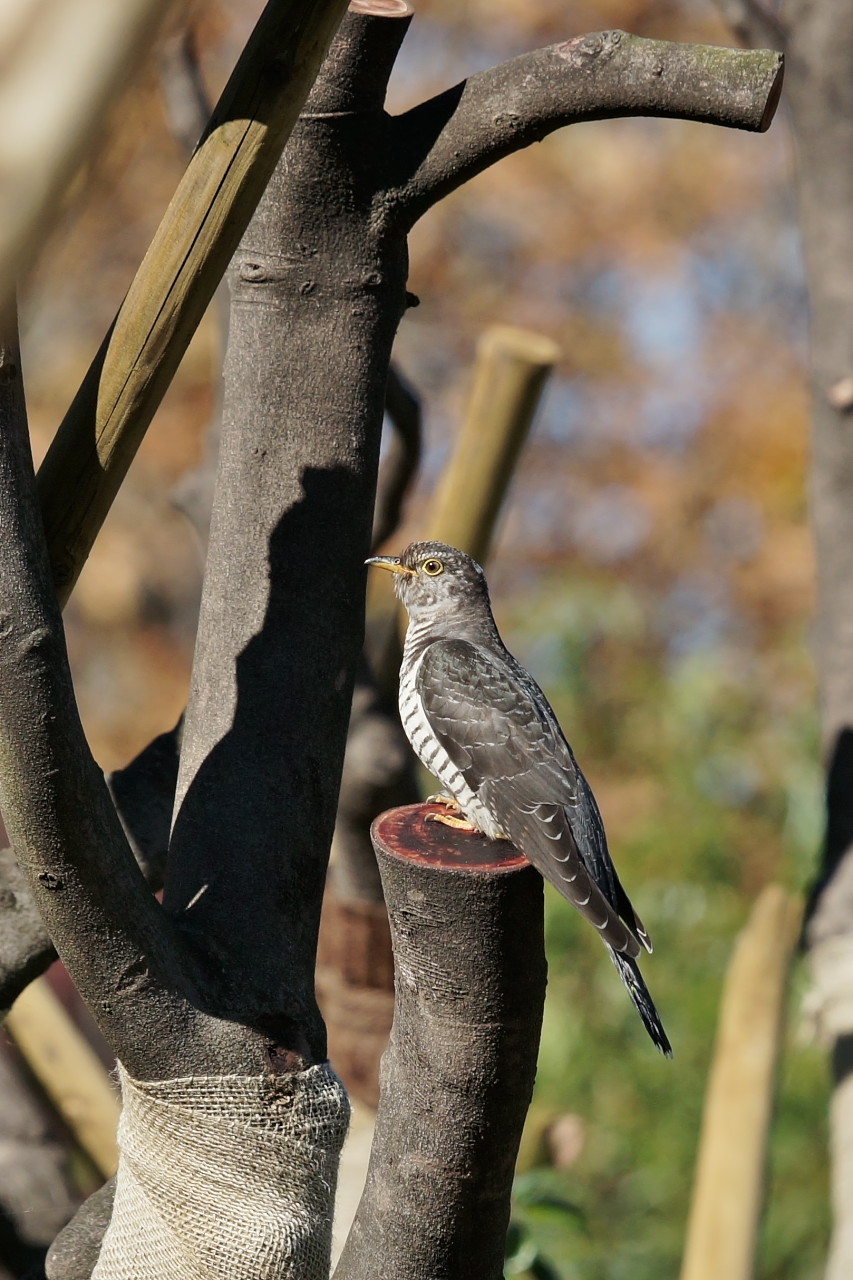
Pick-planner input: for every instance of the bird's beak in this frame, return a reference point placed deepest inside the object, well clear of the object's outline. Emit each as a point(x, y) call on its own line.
point(391, 563)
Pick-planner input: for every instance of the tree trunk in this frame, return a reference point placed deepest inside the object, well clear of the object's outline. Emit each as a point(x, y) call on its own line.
point(456, 1081)
point(820, 44)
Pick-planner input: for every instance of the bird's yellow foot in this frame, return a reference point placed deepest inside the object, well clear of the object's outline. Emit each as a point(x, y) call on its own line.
point(450, 820)
point(441, 798)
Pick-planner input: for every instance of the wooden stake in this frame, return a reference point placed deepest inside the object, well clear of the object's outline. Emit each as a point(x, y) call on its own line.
point(729, 1191)
point(69, 1071)
point(509, 376)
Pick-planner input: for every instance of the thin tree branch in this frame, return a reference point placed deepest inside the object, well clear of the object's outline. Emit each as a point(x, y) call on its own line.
point(464, 130)
point(189, 108)
point(754, 24)
point(403, 407)
point(25, 946)
point(187, 103)
point(143, 794)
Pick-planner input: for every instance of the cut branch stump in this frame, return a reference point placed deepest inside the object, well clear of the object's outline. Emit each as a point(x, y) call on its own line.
point(456, 1081)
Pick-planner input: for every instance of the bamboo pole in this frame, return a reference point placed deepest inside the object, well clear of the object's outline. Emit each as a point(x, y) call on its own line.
point(196, 239)
point(69, 1071)
point(62, 63)
point(729, 1188)
point(509, 376)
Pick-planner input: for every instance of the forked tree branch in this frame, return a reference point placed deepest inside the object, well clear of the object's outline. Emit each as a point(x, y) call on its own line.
point(143, 794)
point(187, 103)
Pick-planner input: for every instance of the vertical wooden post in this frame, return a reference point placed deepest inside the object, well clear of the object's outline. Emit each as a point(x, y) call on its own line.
point(509, 376)
point(69, 1071)
point(728, 1196)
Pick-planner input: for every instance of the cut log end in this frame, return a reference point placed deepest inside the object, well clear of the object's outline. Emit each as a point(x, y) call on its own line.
point(381, 8)
point(409, 834)
point(773, 97)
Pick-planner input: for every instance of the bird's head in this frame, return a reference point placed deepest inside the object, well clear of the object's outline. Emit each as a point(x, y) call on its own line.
point(434, 578)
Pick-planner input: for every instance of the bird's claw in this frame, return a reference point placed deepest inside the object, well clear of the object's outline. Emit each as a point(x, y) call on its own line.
point(441, 798)
point(449, 820)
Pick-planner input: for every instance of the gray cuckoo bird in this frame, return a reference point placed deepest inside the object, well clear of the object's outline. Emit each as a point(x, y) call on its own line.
point(480, 723)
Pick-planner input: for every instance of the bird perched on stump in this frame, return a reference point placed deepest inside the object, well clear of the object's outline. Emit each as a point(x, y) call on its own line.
point(480, 723)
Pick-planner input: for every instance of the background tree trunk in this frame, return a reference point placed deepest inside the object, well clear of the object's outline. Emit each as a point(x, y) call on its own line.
point(820, 45)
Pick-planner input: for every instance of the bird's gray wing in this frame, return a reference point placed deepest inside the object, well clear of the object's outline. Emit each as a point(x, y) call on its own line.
point(498, 729)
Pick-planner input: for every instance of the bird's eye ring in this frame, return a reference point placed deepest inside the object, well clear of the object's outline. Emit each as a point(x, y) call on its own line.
point(432, 567)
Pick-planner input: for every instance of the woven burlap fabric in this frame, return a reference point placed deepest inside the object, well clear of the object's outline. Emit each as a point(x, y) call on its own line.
point(226, 1178)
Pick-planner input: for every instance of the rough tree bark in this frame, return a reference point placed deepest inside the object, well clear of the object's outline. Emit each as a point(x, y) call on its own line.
point(217, 987)
point(820, 39)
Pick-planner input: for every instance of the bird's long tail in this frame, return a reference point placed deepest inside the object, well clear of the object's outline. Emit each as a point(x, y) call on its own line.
point(638, 991)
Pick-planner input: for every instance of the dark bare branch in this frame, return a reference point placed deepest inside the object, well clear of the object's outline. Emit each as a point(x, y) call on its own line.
point(143, 794)
point(63, 827)
point(464, 130)
point(187, 103)
point(25, 947)
point(379, 773)
point(189, 108)
point(404, 452)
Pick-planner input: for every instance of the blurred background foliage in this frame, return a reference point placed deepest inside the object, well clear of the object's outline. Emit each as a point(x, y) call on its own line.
point(654, 567)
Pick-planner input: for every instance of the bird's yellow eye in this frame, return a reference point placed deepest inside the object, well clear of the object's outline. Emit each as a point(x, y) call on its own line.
point(433, 567)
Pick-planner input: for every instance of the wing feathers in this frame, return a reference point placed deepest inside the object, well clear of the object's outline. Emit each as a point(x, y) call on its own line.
point(499, 730)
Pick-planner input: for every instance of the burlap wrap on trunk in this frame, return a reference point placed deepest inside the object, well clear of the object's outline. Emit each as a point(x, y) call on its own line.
point(226, 1177)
